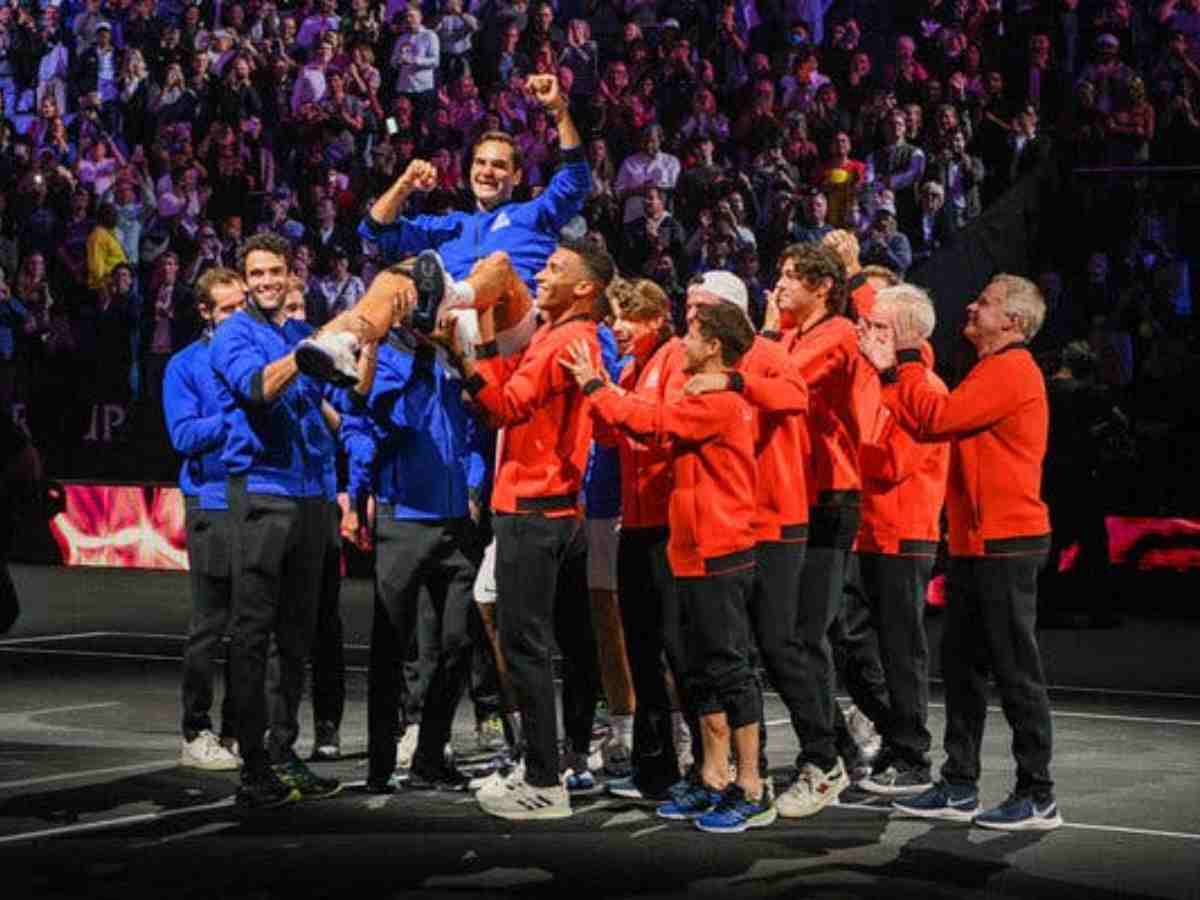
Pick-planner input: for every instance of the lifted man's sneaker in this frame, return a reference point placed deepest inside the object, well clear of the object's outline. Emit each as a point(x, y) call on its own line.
point(331, 357)
point(429, 278)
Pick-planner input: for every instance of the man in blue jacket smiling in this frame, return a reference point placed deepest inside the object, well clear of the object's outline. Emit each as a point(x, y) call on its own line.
point(196, 427)
point(415, 451)
point(279, 453)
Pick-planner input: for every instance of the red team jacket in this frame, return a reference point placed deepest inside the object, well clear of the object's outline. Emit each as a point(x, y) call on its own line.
point(843, 392)
point(714, 476)
point(997, 421)
point(774, 388)
point(645, 460)
point(904, 484)
point(543, 454)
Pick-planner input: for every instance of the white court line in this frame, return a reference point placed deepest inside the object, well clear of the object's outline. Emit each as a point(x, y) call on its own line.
point(84, 773)
point(1065, 688)
point(650, 830)
point(56, 637)
point(150, 657)
point(1149, 832)
point(114, 823)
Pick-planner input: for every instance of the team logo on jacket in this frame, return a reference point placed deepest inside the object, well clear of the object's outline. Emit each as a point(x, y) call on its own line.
point(502, 221)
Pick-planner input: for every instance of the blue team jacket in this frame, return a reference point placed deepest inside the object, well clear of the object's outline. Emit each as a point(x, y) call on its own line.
point(195, 425)
point(528, 232)
point(602, 481)
point(283, 447)
point(416, 446)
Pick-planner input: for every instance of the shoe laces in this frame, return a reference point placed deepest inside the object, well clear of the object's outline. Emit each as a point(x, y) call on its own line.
point(731, 798)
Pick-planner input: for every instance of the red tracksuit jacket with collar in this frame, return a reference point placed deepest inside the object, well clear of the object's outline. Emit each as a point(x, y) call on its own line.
point(645, 461)
point(714, 475)
point(997, 421)
point(843, 392)
point(543, 454)
point(774, 388)
point(904, 482)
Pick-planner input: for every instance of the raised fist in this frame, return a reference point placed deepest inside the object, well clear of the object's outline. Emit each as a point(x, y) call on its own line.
point(420, 176)
point(544, 89)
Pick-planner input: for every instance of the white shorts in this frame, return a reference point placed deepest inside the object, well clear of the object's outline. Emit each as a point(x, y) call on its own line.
point(485, 581)
point(602, 537)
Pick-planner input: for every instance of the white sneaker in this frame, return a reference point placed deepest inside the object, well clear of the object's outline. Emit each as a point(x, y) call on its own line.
point(331, 357)
point(497, 782)
point(522, 801)
point(863, 732)
point(205, 752)
point(406, 747)
point(812, 791)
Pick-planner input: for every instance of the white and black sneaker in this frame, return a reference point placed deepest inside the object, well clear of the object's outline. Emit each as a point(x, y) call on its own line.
point(522, 801)
point(894, 781)
point(331, 357)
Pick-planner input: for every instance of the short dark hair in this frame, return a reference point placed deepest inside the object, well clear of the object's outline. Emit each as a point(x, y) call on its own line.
point(598, 262)
point(813, 262)
point(106, 215)
point(268, 242)
point(727, 324)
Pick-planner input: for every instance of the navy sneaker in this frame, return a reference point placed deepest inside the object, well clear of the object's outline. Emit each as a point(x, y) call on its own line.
point(690, 804)
point(737, 813)
point(954, 803)
point(897, 781)
point(1022, 812)
point(430, 280)
point(627, 789)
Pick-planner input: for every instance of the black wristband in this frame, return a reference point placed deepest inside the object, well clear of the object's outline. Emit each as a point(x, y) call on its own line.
point(474, 384)
point(573, 154)
point(487, 350)
point(592, 386)
point(907, 356)
point(736, 382)
point(771, 335)
point(889, 376)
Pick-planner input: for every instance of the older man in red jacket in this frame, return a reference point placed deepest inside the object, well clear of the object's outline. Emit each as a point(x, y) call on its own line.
point(997, 421)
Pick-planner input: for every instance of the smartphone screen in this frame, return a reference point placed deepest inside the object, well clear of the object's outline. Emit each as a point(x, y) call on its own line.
point(392, 127)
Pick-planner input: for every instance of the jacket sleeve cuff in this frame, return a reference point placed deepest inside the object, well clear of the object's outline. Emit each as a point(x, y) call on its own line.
point(737, 384)
point(475, 384)
point(487, 350)
point(771, 335)
point(592, 386)
point(256, 388)
point(908, 356)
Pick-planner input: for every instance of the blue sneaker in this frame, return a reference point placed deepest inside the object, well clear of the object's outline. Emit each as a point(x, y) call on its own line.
point(955, 803)
point(737, 813)
point(698, 799)
point(580, 783)
point(1022, 812)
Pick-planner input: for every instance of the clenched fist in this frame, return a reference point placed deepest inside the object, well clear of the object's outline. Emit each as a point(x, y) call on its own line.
point(419, 176)
point(544, 89)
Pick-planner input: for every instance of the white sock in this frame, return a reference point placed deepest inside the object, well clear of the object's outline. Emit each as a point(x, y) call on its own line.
point(622, 729)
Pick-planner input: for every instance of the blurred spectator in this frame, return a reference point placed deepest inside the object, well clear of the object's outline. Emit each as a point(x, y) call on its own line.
point(884, 244)
point(960, 176)
point(1108, 74)
point(650, 167)
point(932, 229)
point(654, 233)
point(104, 251)
point(340, 289)
point(812, 225)
point(416, 56)
point(897, 166)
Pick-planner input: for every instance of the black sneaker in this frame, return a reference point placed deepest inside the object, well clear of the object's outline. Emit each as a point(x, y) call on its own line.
point(446, 778)
point(430, 281)
point(328, 744)
point(264, 790)
point(309, 785)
